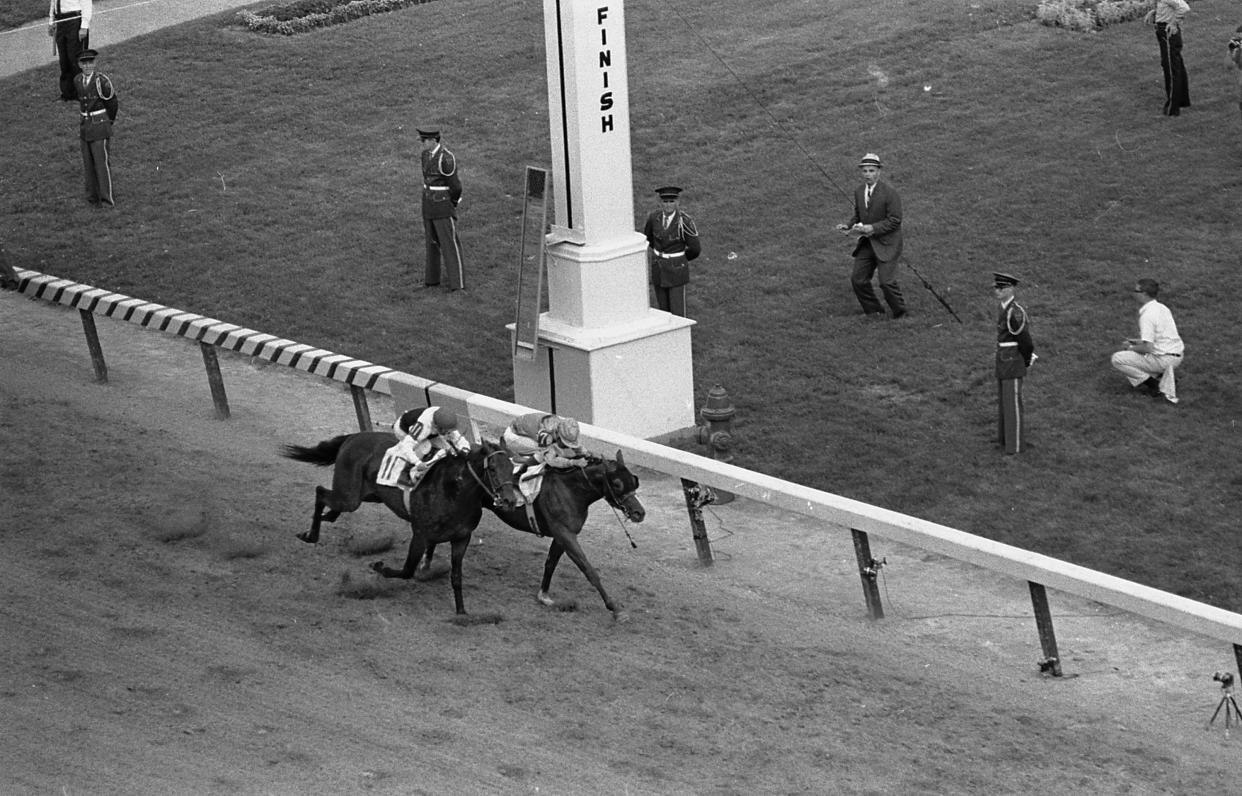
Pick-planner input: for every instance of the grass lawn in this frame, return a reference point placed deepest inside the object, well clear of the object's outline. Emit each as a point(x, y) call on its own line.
point(19, 13)
point(273, 183)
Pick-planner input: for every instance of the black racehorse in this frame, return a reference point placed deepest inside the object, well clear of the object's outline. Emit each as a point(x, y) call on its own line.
point(448, 504)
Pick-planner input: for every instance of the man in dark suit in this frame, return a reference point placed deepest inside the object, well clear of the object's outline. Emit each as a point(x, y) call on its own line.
point(877, 222)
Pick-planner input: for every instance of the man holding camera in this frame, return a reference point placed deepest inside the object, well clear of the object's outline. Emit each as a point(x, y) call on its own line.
point(877, 222)
point(1149, 359)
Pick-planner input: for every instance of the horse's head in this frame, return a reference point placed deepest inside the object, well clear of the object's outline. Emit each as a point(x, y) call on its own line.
point(620, 488)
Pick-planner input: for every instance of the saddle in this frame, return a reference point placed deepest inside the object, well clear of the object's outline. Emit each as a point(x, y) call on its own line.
point(523, 475)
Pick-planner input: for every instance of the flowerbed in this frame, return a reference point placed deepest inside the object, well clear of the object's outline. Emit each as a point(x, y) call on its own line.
point(1089, 15)
point(289, 19)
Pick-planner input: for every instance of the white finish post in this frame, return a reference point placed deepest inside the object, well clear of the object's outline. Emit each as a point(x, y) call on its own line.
point(605, 356)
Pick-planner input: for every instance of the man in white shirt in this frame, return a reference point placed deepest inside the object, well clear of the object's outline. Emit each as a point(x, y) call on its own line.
point(1149, 360)
point(69, 25)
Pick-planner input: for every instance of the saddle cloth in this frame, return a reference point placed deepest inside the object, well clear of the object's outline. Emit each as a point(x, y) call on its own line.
point(529, 482)
point(393, 469)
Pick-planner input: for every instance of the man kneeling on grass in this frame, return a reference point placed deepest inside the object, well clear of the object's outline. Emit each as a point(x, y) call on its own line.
point(1148, 360)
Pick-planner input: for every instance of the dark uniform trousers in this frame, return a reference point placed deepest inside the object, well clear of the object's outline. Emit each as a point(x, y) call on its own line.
point(1176, 83)
point(68, 48)
point(1010, 432)
point(443, 253)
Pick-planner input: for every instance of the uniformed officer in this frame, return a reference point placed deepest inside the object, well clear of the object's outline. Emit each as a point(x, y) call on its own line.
point(98, 104)
point(673, 241)
point(441, 194)
point(1015, 352)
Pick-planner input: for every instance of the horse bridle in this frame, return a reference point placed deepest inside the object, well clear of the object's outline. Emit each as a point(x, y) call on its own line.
point(614, 501)
point(482, 482)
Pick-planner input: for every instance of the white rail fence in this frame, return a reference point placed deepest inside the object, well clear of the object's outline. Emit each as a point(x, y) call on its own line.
point(863, 520)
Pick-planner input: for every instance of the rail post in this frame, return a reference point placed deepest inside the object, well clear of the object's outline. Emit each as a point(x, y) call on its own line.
point(1051, 664)
point(218, 396)
point(868, 571)
point(361, 409)
point(92, 342)
point(697, 496)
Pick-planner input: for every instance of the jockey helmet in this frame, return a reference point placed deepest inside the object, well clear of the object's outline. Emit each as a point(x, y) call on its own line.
point(444, 419)
point(408, 418)
point(567, 430)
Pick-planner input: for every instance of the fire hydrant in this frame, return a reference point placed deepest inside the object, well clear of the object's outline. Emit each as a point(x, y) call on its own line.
point(717, 431)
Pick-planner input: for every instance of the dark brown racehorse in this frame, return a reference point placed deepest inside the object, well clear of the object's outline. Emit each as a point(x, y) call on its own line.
point(448, 504)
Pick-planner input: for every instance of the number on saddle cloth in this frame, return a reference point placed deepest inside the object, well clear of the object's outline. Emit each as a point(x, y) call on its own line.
point(401, 468)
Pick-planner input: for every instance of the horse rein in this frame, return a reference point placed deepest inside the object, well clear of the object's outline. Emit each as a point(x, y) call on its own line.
point(613, 500)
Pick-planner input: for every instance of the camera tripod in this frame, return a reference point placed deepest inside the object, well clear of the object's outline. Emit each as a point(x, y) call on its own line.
point(1232, 714)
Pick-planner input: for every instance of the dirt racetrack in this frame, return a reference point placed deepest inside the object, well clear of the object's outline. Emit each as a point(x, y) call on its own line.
point(164, 632)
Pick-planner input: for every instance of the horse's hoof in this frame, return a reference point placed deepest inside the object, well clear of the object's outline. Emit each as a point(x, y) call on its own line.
point(306, 536)
point(378, 566)
point(620, 617)
point(544, 599)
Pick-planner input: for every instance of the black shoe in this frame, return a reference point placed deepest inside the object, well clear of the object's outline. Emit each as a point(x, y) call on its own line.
point(1150, 387)
point(898, 314)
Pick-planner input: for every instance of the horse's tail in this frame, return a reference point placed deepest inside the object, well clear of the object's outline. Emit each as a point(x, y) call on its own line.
point(323, 454)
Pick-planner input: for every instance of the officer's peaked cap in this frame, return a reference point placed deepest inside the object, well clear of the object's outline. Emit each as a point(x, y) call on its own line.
point(1003, 280)
point(429, 133)
point(88, 55)
point(668, 192)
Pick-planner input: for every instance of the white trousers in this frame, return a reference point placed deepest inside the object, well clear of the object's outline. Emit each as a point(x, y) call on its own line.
point(1138, 368)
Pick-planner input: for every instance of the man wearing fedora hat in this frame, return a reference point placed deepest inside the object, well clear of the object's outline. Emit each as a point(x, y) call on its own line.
point(877, 222)
point(673, 241)
point(99, 104)
point(441, 194)
point(1015, 353)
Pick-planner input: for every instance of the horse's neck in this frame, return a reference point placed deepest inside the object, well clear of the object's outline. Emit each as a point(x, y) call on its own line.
point(585, 482)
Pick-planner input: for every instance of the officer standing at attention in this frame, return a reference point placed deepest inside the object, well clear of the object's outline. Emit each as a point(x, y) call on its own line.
point(673, 241)
point(69, 25)
point(99, 105)
point(441, 194)
point(1015, 353)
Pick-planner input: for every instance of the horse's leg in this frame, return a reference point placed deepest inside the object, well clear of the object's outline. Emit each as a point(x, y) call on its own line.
point(459, 547)
point(569, 541)
point(320, 515)
point(418, 545)
point(555, 551)
point(424, 565)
